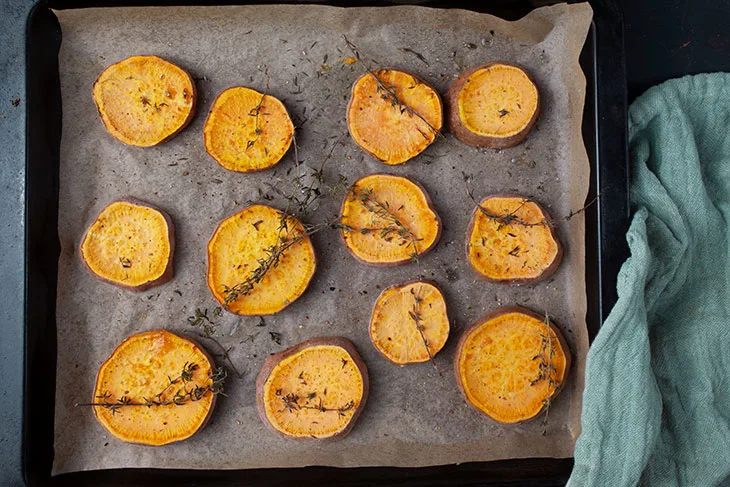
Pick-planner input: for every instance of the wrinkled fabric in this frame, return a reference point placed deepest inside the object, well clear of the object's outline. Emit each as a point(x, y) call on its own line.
point(656, 405)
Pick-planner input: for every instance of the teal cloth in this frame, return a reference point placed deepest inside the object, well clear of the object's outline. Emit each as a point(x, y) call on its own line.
point(656, 407)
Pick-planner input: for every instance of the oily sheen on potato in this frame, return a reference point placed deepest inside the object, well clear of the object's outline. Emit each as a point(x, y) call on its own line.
point(235, 253)
point(493, 105)
point(130, 244)
point(388, 220)
point(314, 391)
point(148, 366)
point(407, 318)
point(498, 364)
point(145, 100)
point(393, 129)
point(511, 240)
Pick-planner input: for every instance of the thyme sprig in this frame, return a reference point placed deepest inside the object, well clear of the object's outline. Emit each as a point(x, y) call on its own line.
point(388, 91)
point(291, 402)
point(393, 226)
point(546, 370)
point(417, 317)
point(209, 327)
point(256, 112)
point(183, 394)
point(511, 218)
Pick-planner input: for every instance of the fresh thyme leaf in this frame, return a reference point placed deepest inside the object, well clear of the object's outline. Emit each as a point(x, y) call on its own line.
point(275, 337)
point(418, 55)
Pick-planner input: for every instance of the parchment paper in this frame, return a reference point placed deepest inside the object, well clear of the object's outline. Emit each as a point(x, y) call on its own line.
point(413, 417)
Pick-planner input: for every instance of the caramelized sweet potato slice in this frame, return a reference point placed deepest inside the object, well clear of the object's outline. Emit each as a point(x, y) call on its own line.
point(494, 105)
point(406, 319)
point(247, 131)
point(511, 240)
point(314, 391)
point(130, 244)
point(235, 254)
point(502, 364)
point(145, 100)
point(388, 220)
point(393, 130)
point(146, 372)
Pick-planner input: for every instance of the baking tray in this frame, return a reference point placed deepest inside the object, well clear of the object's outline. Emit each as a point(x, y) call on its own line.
point(604, 133)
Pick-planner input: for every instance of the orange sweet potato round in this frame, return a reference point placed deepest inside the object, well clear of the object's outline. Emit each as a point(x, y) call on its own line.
point(235, 254)
point(511, 240)
point(149, 366)
point(406, 319)
point(393, 130)
point(130, 244)
point(314, 391)
point(388, 220)
point(247, 131)
point(493, 105)
point(498, 364)
point(145, 100)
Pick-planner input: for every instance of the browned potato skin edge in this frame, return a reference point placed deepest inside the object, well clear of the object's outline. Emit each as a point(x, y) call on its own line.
point(549, 270)
point(191, 115)
point(429, 203)
point(205, 135)
point(275, 358)
point(352, 98)
point(494, 314)
point(468, 137)
point(212, 402)
point(398, 286)
point(165, 277)
point(222, 303)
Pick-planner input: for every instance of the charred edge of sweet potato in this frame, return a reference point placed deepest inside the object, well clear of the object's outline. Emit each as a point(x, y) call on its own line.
point(402, 285)
point(166, 276)
point(490, 316)
point(221, 301)
point(253, 170)
point(274, 359)
point(549, 271)
point(468, 137)
point(430, 205)
point(417, 78)
point(213, 401)
point(186, 122)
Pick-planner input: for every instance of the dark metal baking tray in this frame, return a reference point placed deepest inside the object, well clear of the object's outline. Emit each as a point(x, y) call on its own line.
point(604, 133)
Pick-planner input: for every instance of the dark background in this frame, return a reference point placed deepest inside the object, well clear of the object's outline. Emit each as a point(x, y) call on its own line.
point(664, 39)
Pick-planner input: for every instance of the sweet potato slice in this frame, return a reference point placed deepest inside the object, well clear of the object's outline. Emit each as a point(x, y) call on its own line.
point(388, 220)
point(238, 251)
point(511, 240)
point(314, 391)
point(130, 244)
point(145, 100)
point(393, 130)
point(155, 388)
point(493, 105)
point(509, 367)
point(406, 319)
point(247, 131)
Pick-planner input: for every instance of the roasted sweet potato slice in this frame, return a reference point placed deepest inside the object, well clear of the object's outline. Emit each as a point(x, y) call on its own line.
point(493, 105)
point(130, 244)
point(393, 129)
point(257, 266)
point(509, 367)
point(388, 220)
point(408, 318)
point(145, 100)
point(247, 131)
point(314, 391)
point(155, 388)
point(511, 240)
